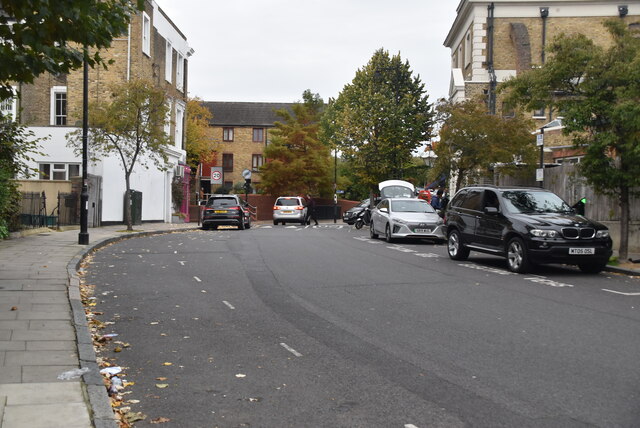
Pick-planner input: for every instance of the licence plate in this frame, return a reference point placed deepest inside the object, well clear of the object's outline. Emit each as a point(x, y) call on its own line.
point(287, 212)
point(422, 230)
point(220, 211)
point(582, 251)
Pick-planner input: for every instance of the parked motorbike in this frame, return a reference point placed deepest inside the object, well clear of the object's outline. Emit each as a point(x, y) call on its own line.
point(363, 217)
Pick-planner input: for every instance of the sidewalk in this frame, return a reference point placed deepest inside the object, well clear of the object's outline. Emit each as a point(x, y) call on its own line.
point(44, 333)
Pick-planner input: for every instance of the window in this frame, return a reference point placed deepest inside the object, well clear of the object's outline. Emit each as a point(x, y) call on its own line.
point(59, 171)
point(168, 62)
point(473, 201)
point(8, 108)
point(227, 134)
point(167, 120)
point(541, 113)
point(258, 135)
point(180, 72)
point(569, 160)
point(146, 34)
point(59, 105)
point(507, 111)
point(227, 162)
point(468, 50)
point(256, 162)
point(179, 124)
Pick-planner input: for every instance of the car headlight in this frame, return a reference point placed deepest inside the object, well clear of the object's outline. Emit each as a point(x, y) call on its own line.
point(602, 233)
point(543, 233)
point(398, 221)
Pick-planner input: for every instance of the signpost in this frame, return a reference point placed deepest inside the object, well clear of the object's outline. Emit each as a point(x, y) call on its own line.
point(540, 170)
point(216, 175)
point(247, 184)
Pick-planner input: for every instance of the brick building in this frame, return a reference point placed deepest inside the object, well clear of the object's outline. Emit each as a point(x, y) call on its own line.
point(241, 131)
point(153, 49)
point(491, 41)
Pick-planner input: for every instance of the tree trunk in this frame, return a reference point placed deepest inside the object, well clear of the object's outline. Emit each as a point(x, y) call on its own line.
point(623, 250)
point(127, 205)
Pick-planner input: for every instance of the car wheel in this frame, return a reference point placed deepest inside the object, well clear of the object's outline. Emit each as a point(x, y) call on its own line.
point(275, 222)
point(241, 225)
point(387, 234)
point(372, 232)
point(455, 247)
point(214, 227)
point(592, 267)
point(517, 257)
point(248, 225)
point(205, 227)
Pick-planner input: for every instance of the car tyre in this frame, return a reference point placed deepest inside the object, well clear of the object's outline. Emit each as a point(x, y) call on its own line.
point(592, 267)
point(455, 247)
point(517, 256)
point(241, 225)
point(372, 232)
point(387, 234)
point(248, 225)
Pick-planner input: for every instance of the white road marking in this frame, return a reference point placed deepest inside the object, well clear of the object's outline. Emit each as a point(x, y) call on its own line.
point(427, 255)
point(197, 279)
point(620, 292)
point(229, 305)
point(410, 426)
point(182, 262)
point(546, 281)
point(290, 349)
point(486, 269)
point(401, 249)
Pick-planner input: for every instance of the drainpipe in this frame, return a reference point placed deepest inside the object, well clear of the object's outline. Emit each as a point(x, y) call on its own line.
point(544, 13)
point(492, 72)
point(129, 53)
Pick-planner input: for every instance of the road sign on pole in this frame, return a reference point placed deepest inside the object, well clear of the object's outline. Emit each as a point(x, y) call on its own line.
point(216, 175)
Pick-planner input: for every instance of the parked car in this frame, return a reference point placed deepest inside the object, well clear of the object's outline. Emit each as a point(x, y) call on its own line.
point(288, 209)
point(406, 218)
point(527, 226)
point(225, 210)
point(351, 214)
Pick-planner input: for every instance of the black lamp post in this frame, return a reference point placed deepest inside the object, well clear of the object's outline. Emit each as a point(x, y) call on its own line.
point(83, 236)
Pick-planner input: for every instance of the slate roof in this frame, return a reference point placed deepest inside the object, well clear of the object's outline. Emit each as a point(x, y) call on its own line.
point(244, 114)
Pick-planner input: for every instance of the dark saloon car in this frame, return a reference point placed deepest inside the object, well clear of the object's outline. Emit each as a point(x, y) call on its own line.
point(225, 210)
point(527, 226)
point(351, 214)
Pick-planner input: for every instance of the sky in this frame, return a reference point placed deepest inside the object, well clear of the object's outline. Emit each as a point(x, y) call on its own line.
point(273, 50)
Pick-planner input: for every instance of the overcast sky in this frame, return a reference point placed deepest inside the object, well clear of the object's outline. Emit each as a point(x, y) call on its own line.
point(272, 50)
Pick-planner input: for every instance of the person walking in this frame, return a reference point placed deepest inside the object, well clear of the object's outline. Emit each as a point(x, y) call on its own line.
point(311, 206)
point(436, 201)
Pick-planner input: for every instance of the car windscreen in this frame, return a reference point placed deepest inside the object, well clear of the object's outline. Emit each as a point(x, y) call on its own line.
point(288, 202)
point(222, 202)
point(527, 202)
point(396, 192)
point(411, 206)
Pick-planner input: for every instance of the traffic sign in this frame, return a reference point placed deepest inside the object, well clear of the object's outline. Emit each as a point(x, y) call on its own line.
point(216, 175)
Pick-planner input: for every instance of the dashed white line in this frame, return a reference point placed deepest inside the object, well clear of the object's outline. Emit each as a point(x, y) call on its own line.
point(229, 305)
point(620, 292)
point(290, 349)
point(197, 279)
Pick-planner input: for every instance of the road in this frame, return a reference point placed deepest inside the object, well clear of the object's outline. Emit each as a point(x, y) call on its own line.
point(288, 326)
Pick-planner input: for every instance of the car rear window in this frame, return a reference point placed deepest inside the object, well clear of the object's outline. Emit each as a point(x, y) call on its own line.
point(288, 202)
point(222, 202)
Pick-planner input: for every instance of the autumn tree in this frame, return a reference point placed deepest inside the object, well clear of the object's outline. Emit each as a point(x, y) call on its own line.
point(129, 126)
point(297, 162)
point(379, 119)
point(473, 141)
point(199, 144)
point(597, 92)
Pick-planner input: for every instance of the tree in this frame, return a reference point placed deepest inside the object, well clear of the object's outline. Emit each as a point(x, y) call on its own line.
point(49, 36)
point(379, 119)
point(473, 141)
point(131, 126)
point(297, 161)
point(200, 146)
point(597, 92)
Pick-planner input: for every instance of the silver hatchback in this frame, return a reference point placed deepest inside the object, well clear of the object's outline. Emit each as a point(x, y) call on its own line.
point(290, 209)
point(406, 218)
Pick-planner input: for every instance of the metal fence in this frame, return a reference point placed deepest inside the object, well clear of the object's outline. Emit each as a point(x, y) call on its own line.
point(37, 211)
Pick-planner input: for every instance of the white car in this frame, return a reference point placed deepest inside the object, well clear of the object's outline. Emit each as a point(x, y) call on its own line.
point(290, 209)
point(406, 218)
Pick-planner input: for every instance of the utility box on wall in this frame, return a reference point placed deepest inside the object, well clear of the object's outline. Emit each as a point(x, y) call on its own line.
point(136, 206)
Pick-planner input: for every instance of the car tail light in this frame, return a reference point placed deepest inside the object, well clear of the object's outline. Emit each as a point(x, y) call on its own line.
point(299, 208)
point(275, 207)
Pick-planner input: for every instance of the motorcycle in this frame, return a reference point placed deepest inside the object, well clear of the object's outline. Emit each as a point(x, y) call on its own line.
point(363, 217)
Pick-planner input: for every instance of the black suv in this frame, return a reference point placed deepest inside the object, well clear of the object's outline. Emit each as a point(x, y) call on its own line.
point(525, 225)
point(225, 210)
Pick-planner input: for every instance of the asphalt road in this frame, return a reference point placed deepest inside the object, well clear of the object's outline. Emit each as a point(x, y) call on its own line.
point(323, 327)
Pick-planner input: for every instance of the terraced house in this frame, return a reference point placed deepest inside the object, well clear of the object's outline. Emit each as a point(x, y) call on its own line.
point(491, 41)
point(153, 49)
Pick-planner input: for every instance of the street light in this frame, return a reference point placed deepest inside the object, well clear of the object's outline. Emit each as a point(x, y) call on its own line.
point(429, 156)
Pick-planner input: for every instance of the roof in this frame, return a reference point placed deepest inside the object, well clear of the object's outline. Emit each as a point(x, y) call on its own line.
point(244, 113)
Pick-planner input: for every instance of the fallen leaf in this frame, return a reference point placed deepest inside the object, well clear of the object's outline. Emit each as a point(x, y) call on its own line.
point(162, 385)
point(133, 417)
point(161, 378)
point(167, 364)
point(160, 420)
point(240, 375)
point(14, 308)
point(117, 349)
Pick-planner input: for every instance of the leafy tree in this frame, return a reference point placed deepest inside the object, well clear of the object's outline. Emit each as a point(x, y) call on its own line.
point(297, 161)
point(472, 141)
point(129, 126)
point(49, 36)
point(379, 119)
point(597, 92)
point(200, 146)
